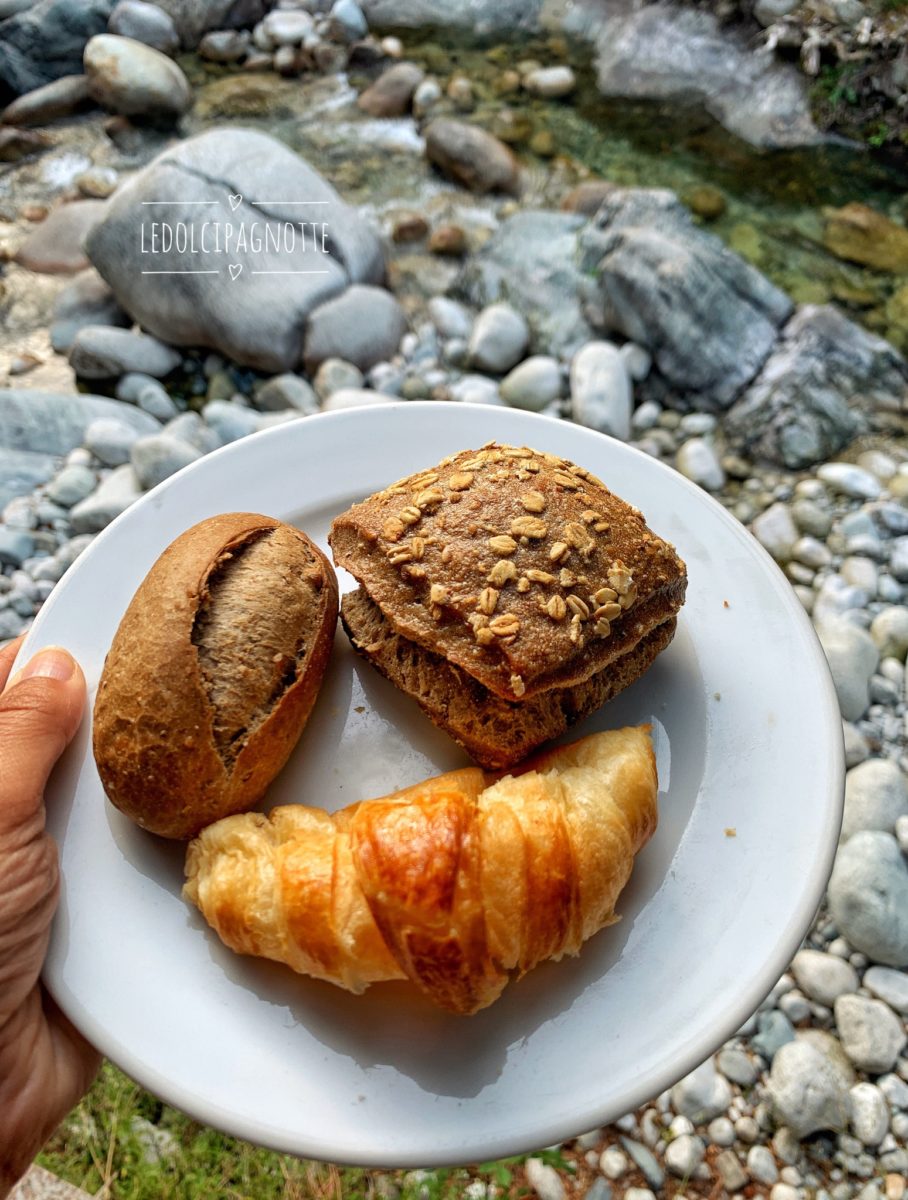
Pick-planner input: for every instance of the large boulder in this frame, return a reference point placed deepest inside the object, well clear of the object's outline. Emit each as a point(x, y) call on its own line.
point(709, 318)
point(681, 56)
point(531, 262)
point(235, 201)
point(804, 405)
point(45, 41)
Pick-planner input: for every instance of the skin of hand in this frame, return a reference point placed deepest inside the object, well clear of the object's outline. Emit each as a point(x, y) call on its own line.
point(46, 1066)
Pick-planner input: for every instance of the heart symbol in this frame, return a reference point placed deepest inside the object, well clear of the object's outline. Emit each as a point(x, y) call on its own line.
point(235, 269)
point(235, 202)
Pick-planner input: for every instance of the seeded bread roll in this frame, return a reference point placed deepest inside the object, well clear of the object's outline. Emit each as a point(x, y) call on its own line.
point(518, 567)
point(213, 672)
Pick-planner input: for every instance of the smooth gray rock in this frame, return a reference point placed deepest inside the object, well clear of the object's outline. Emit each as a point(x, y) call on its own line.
point(287, 27)
point(147, 23)
point(499, 339)
point(601, 396)
point(698, 461)
point(476, 16)
point(230, 421)
point(451, 318)
point(126, 76)
point(16, 545)
point(761, 1166)
point(869, 1114)
point(682, 57)
point(701, 1095)
point(287, 391)
point(256, 320)
point(110, 440)
point(823, 977)
point(334, 374)
point(545, 1181)
point(471, 156)
point(646, 1161)
point(363, 326)
point(531, 261)
point(889, 629)
point(871, 1034)
point(156, 458)
point(709, 318)
point(868, 897)
point(103, 352)
point(773, 1031)
point(775, 530)
point(71, 484)
point(876, 795)
point(189, 427)
point(21, 471)
point(348, 21)
point(223, 46)
point(48, 102)
point(808, 1088)
point(86, 300)
point(533, 384)
point(51, 423)
point(112, 497)
point(890, 986)
point(684, 1154)
point(852, 659)
point(805, 404)
point(45, 41)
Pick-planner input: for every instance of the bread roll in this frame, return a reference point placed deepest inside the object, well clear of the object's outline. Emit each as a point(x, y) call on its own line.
point(213, 672)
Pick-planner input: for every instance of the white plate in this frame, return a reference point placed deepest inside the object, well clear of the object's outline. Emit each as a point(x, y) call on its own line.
point(749, 743)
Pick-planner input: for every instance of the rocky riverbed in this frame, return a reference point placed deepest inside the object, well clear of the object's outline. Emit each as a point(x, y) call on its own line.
point(508, 221)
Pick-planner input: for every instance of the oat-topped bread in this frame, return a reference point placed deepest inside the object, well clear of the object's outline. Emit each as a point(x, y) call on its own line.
point(518, 567)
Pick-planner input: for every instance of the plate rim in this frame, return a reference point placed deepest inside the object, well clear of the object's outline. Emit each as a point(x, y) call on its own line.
point(644, 1087)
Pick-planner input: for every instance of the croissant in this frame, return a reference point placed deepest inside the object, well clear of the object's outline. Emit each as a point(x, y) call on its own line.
point(457, 884)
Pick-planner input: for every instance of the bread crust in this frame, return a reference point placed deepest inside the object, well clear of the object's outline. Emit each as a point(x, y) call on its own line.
point(495, 733)
point(520, 568)
point(154, 736)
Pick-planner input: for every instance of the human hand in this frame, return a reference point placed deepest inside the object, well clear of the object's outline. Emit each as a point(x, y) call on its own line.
point(45, 1064)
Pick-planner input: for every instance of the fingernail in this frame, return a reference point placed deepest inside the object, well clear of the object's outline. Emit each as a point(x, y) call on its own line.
point(51, 663)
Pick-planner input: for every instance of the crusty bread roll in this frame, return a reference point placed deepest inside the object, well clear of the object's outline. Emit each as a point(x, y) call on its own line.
point(213, 672)
point(457, 884)
point(521, 572)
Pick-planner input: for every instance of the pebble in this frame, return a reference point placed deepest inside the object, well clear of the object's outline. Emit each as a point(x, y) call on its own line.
point(701, 1095)
point(498, 339)
point(811, 518)
point(786, 1146)
point(773, 1030)
point(145, 23)
point(110, 440)
point(16, 545)
point(334, 374)
point(156, 458)
point(808, 1088)
point(871, 1034)
point(105, 352)
point(869, 1114)
point(190, 428)
point(601, 395)
point(721, 1132)
point(637, 360)
point(876, 795)
point(868, 897)
point(71, 484)
point(644, 1159)
point(857, 748)
point(230, 420)
point(550, 82)
point(737, 1066)
point(889, 986)
point(684, 1154)
point(731, 1173)
point(784, 1191)
point(636, 1193)
point(889, 630)
point(347, 20)
point(698, 461)
point(776, 531)
point(532, 384)
point(598, 1190)
point(811, 552)
point(113, 495)
point(451, 318)
point(544, 1180)
point(761, 1166)
point(823, 977)
point(613, 1163)
point(852, 658)
point(850, 480)
point(898, 559)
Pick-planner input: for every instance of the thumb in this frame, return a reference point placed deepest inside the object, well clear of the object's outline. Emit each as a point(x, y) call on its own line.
point(40, 710)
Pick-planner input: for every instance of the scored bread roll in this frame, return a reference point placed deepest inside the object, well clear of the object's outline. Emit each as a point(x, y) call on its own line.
point(213, 672)
point(457, 883)
point(542, 592)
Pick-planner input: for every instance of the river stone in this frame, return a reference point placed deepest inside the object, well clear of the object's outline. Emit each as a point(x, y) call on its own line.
point(774, 1030)
point(890, 986)
point(450, 318)
point(45, 41)
point(683, 58)
point(50, 423)
point(146, 23)
point(852, 659)
point(544, 1180)
point(21, 471)
point(697, 460)
point(498, 339)
point(56, 245)
point(871, 1034)
point(850, 480)
point(110, 440)
point(868, 897)
point(477, 17)
point(776, 531)
point(550, 82)
point(47, 103)
point(701, 1095)
point(532, 384)
point(800, 409)
point(156, 458)
point(334, 374)
point(86, 300)
point(601, 395)
point(808, 1088)
point(392, 92)
point(72, 484)
point(860, 234)
point(889, 629)
point(112, 496)
point(869, 1114)
point(709, 318)
point(823, 977)
point(189, 427)
point(126, 76)
point(16, 545)
point(347, 21)
point(363, 326)
point(193, 18)
point(287, 391)
point(471, 156)
point(876, 795)
point(256, 320)
point(531, 261)
point(103, 352)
